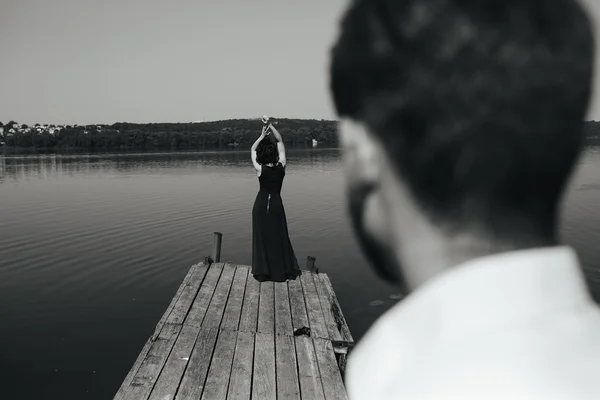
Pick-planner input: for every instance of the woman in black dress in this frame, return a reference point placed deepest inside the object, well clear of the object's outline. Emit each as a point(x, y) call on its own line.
point(273, 257)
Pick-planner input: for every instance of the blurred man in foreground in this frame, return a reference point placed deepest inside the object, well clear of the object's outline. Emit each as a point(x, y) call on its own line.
point(461, 124)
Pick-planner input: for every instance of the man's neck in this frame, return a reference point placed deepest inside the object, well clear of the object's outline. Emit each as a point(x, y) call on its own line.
point(427, 251)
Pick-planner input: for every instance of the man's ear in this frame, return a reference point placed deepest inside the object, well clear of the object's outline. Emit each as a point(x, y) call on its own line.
point(361, 151)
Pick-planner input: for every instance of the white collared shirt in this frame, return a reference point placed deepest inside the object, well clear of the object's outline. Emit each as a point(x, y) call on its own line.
point(512, 326)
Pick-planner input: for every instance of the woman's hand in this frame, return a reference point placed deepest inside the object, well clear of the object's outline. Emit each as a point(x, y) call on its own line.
point(267, 129)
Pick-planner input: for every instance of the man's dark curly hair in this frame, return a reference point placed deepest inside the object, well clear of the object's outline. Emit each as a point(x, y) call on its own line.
point(266, 152)
point(478, 103)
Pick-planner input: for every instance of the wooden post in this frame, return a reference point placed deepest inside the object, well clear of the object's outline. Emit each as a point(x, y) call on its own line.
point(216, 253)
point(310, 263)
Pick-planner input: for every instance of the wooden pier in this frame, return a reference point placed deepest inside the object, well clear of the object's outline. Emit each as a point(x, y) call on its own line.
point(227, 336)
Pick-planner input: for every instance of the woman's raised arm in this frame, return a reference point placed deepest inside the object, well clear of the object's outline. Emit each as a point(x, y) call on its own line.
point(253, 149)
point(280, 145)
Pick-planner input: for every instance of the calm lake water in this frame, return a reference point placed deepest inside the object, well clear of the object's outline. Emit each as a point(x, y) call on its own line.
point(92, 249)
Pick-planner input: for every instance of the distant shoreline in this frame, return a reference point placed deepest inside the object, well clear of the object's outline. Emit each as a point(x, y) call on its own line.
point(124, 137)
point(158, 136)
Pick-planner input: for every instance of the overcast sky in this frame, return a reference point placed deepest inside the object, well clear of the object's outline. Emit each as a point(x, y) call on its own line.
point(105, 61)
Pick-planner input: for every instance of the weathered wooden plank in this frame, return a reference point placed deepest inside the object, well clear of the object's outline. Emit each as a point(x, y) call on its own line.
point(249, 318)
point(214, 314)
point(326, 307)
point(194, 377)
point(331, 377)
point(231, 318)
point(145, 378)
point(171, 375)
point(298, 305)
point(313, 306)
point(127, 381)
point(183, 305)
point(263, 379)
point(283, 315)
point(337, 310)
point(220, 368)
point(287, 369)
point(342, 359)
point(266, 312)
point(177, 296)
point(121, 393)
point(311, 386)
point(205, 294)
point(240, 383)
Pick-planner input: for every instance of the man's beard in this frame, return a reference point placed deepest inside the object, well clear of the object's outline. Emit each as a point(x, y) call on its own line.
point(380, 256)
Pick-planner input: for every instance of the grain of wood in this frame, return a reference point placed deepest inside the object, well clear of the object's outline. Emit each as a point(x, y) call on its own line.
point(337, 310)
point(121, 393)
point(286, 367)
point(188, 294)
point(176, 297)
point(147, 375)
point(205, 294)
point(298, 305)
point(220, 367)
point(342, 361)
point(172, 373)
point(192, 384)
point(263, 379)
point(311, 386)
point(333, 385)
point(240, 384)
point(214, 314)
point(249, 318)
point(313, 306)
point(136, 365)
point(283, 316)
point(326, 307)
point(231, 319)
point(266, 312)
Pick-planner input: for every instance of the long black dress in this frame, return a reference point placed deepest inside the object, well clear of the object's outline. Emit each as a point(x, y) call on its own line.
point(273, 257)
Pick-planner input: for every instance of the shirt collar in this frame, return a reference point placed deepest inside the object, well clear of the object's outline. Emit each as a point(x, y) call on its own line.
point(497, 291)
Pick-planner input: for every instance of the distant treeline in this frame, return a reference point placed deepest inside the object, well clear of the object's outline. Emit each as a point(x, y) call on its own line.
point(123, 136)
point(164, 136)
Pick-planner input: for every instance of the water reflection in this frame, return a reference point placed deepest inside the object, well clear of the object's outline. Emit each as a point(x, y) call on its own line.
point(17, 168)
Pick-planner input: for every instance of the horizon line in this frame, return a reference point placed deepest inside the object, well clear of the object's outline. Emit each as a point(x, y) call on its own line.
point(170, 122)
